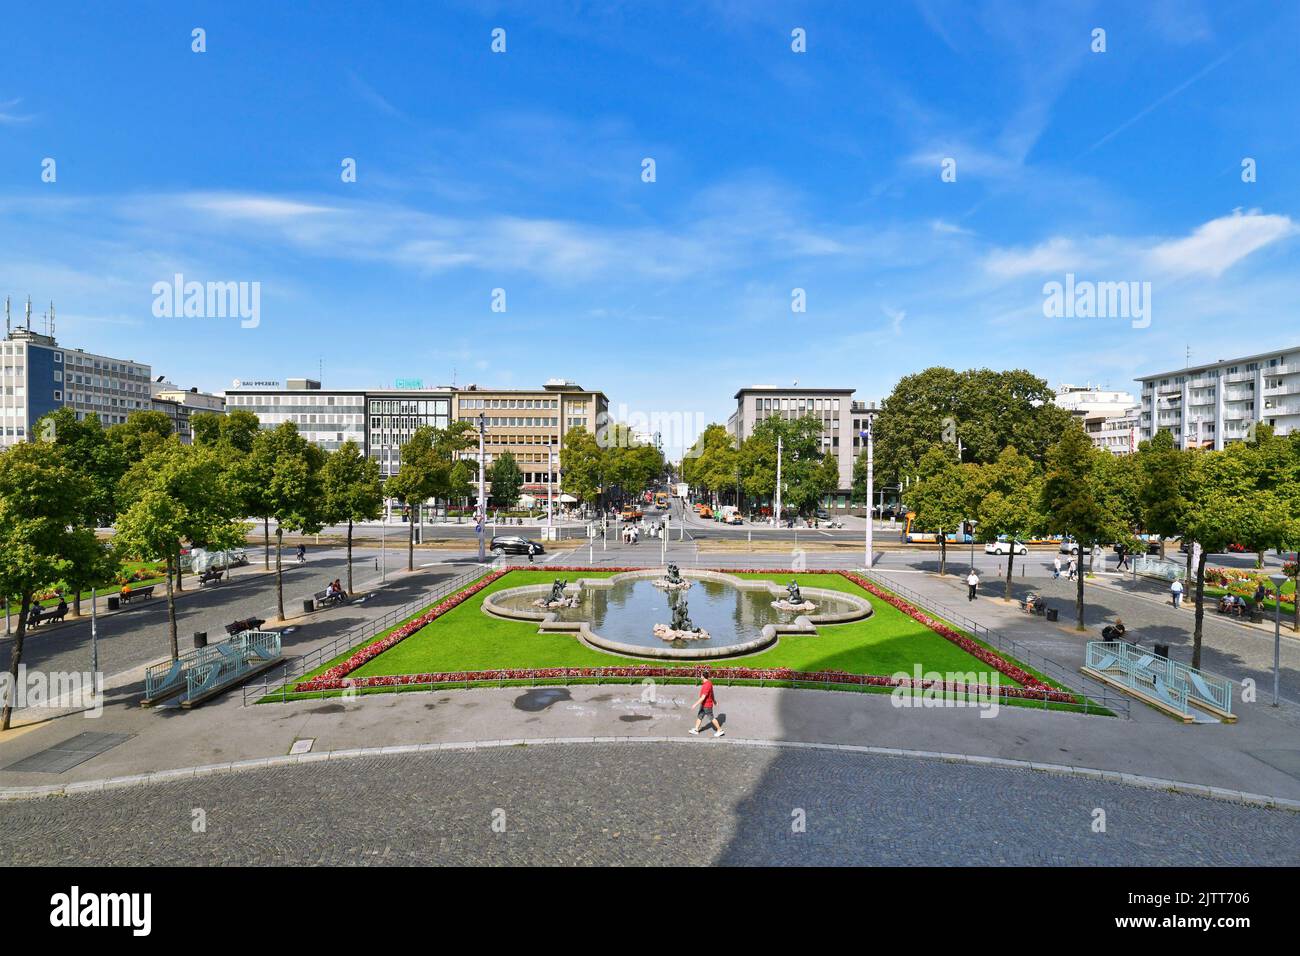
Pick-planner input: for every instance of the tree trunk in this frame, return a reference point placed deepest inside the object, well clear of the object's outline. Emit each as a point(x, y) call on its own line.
point(171, 610)
point(410, 540)
point(349, 556)
point(1162, 547)
point(266, 543)
point(76, 602)
point(943, 553)
point(15, 658)
point(1011, 560)
point(1200, 611)
point(179, 570)
point(279, 571)
point(1078, 597)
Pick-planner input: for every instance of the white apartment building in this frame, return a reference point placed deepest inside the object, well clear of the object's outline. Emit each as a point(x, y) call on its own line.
point(1088, 399)
point(1210, 406)
point(326, 418)
point(1109, 416)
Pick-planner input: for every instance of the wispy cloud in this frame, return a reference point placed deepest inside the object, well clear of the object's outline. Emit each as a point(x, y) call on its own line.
point(1219, 244)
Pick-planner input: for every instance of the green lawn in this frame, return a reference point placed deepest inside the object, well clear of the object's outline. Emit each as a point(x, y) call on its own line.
point(466, 639)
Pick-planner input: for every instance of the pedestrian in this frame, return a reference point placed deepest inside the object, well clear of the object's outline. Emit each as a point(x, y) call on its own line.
point(1176, 589)
point(532, 549)
point(972, 582)
point(1123, 557)
point(1074, 569)
point(1056, 566)
point(705, 704)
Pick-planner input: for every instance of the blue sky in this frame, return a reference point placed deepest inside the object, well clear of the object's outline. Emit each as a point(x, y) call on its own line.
point(775, 170)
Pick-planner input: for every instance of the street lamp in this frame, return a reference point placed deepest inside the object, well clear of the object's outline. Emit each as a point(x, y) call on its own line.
point(971, 532)
point(869, 435)
point(482, 500)
point(1278, 580)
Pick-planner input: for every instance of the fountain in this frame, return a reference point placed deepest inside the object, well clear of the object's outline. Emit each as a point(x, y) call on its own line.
point(727, 615)
point(557, 598)
point(681, 629)
point(793, 601)
point(673, 580)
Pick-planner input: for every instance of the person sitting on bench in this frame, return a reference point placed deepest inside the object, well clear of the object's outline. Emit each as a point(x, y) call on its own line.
point(61, 611)
point(340, 595)
point(1114, 632)
point(34, 615)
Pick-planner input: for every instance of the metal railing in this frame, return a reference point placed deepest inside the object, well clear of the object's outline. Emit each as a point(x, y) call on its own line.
point(1171, 681)
point(238, 654)
point(1095, 694)
point(1156, 567)
point(279, 680)
point(219, 664)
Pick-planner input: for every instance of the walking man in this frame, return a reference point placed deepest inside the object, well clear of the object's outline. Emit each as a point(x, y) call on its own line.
point(705, 703)
point(972, 582)
point(1056, 566)
point(1176, 589)
point(1123, 557)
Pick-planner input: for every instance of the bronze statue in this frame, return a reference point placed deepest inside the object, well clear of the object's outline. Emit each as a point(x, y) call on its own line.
point(674, 574)
point(792, 589)
point(557, 591)
point(681, 620)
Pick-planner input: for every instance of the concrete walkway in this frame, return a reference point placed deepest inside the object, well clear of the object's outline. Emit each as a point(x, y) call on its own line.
point(1258, 755)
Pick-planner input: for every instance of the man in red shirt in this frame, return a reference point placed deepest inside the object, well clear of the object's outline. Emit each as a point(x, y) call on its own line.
point(705, 704)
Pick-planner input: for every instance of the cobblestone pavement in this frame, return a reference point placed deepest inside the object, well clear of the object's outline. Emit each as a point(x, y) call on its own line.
point(697, 803)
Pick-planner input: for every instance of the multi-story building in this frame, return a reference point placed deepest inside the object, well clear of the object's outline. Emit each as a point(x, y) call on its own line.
point(1109, 416)
point(834, 407)
point(37, 376)
point(327, 418)
point(531, 424)
point(179, 404)
point(1210, 406)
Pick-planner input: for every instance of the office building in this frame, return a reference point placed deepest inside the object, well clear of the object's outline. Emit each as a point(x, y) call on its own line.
point(38, 375)
point(834, 407)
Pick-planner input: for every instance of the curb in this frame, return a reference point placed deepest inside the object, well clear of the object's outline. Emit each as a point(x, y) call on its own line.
point(262, 763)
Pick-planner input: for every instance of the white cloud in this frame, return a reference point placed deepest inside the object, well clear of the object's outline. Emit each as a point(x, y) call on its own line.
point(1219, 244)
point(1057, 254)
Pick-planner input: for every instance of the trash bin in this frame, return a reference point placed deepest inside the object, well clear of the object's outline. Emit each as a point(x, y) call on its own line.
point(200, 639)
point(114, 602)
point(1052, 613)
point(308, 605)
point(1162, 650)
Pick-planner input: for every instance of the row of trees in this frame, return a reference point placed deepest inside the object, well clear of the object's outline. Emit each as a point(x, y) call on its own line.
point(609, 468)
point(722, 467)
point(1248, 494)
point(160, 495)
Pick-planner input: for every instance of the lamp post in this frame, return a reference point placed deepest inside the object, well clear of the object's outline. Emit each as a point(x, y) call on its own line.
point(776, 510)
point(1278, 580)
point(869, 434)
point(481, 517)
point(972, 542)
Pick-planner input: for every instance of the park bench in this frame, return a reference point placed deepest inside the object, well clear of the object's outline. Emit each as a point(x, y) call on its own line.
point(212, 575)
point(324, 599)
point(1034, 605)
point(42, 615)
point(245, 624)
point(131, 594)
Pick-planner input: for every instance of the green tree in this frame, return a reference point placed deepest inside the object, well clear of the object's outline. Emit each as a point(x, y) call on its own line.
point(941, 500)
point(140, 434)
point(808, 473)
point(583, 463)
point(173, 495)
point(982, 409)
point(351, 490)
point(1163, 484)
point(294, 499)
point(712, 464)
point(420, 476)
point(1070, 500)
point(247, 464)
point(41, 535)
point(1006, 496)
point(507, 479)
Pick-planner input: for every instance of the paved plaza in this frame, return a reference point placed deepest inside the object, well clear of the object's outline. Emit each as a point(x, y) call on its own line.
point(644, 804)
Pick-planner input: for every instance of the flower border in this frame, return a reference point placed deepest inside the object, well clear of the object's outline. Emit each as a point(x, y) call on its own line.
point(336, 677)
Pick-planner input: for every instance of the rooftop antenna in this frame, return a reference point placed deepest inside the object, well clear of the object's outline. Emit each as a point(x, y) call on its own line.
point(453, 376)
point(1189, 354)
point(8, 327)
point(50, 323)
point(29, 313)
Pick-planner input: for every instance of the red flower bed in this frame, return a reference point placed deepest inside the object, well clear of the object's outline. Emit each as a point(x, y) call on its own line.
point(336, 677)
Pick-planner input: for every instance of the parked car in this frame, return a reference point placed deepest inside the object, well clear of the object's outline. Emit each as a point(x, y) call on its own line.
point(823, 514)
point(1069, 546)
point(504, 544)
point(1006, 547)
